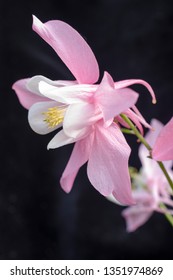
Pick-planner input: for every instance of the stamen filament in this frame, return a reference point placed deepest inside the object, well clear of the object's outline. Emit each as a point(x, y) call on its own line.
point(54, 116)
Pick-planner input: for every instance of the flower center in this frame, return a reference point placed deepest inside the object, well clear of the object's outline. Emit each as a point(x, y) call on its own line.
point(54, 116)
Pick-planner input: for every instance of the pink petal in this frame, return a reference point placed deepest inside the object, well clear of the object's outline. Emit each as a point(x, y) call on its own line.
point(135, 217)
point(70, 47)
point(113, 101)
point(140, 117)
point(79, 157)
point(131, 115)
point(127, 83)
point(108, 164)
point(163, 148)
point(25, 96)
point(121, 121)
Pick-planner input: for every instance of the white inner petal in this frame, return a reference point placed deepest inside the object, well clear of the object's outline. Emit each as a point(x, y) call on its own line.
point(36, 117)
point(33, 83)
point(67, 94)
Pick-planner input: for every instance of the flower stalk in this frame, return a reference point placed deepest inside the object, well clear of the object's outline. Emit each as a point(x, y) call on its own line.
point(168, 216)
point(136, 132)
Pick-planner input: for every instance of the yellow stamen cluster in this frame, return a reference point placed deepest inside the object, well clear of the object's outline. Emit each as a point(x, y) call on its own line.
point(54, 116)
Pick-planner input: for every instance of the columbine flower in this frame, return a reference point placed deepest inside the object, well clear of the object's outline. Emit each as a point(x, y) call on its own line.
point(163, 148)
point(85, 111)
point(151, 188)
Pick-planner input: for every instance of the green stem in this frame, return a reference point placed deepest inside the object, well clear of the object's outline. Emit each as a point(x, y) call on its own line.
point(127, 131)
point(136, 132)
point(168, 216)
point(165, 173)
point(161, 165)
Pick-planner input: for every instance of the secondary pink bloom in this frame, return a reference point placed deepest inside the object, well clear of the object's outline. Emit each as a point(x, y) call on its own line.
point(163, 148)
point(84, 110)
point(150, 186)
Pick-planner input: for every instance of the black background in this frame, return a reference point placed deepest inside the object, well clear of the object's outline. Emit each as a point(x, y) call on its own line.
point(131, 39)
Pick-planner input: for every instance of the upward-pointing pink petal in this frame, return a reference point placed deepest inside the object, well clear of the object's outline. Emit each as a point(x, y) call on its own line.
point(111, 101)
point(70, 47)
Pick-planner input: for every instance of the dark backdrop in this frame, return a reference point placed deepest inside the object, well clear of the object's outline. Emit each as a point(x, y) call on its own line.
point(131, 39)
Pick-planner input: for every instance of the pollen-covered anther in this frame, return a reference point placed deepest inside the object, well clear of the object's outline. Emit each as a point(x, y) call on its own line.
point(54, 116)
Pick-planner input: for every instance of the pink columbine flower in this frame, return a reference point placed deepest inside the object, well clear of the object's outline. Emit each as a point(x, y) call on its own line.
point(85, 111)
point(163, 148)
point(150, 186)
